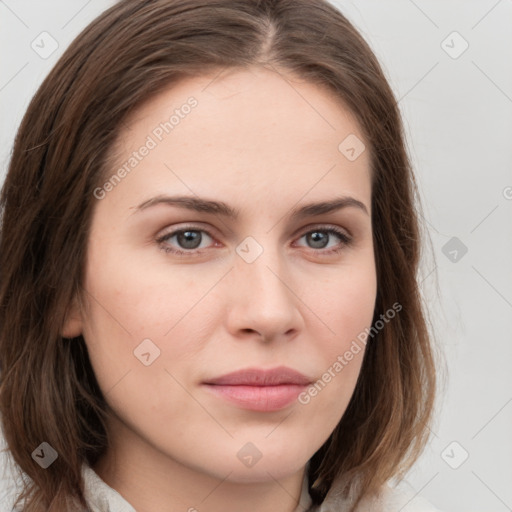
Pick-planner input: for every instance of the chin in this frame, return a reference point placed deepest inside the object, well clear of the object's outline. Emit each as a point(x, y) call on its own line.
point(265, 472)
point(263, 462)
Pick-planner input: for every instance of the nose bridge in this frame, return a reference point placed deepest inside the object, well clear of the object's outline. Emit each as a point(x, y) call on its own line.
point(263, 297)
point(259, 265)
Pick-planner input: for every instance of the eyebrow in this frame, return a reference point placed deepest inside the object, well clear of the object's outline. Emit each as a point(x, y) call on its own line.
point(221, 208)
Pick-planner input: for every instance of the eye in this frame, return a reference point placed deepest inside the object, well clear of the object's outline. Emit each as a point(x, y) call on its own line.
point(188, 240)
point(320, 238)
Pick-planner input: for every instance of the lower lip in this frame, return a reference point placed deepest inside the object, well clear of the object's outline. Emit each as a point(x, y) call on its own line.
point(259, 398)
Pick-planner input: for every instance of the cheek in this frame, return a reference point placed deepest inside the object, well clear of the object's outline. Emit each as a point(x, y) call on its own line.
point(345, 302)
point(144, 299)
point(346, 307)
point(129, 304)
point(177, 309)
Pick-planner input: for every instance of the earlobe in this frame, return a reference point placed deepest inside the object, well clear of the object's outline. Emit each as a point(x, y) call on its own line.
point(72, 326)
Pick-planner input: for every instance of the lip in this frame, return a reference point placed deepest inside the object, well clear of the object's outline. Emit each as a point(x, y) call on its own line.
point(259, 389)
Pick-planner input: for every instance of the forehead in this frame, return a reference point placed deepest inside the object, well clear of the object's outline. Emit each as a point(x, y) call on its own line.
point(244, 133)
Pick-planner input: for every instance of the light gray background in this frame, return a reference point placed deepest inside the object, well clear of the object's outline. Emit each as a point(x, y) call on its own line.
point(458, 117)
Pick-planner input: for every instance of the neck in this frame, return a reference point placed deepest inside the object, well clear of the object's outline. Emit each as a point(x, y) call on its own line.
point(151, 480)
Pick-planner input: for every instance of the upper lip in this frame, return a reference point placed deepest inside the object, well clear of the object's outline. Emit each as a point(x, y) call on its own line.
point(261, 377)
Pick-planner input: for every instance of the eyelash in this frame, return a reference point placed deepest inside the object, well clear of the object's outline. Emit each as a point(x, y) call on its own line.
point(346, 240)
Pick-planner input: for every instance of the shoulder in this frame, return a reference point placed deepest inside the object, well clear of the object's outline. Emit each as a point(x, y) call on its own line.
point(401, 498)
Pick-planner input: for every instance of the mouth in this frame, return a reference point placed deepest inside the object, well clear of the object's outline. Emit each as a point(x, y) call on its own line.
point(258, 389)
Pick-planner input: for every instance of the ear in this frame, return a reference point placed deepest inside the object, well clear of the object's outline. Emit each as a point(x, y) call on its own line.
point(72, 326)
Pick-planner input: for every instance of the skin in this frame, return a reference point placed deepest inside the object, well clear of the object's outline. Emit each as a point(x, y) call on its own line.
point(264, 145)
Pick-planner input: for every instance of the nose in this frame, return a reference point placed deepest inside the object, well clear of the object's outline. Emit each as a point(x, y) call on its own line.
point(264, 301)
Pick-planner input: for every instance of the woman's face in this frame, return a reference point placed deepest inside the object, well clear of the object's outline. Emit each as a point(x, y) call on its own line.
point(235, 276)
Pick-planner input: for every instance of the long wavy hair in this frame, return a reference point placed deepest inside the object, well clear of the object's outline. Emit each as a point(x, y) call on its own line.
point(131, 52)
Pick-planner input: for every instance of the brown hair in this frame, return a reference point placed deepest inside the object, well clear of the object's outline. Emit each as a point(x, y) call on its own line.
point(132, 51)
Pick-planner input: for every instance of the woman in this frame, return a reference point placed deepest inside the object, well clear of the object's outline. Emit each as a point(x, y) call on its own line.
point(208, 263)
